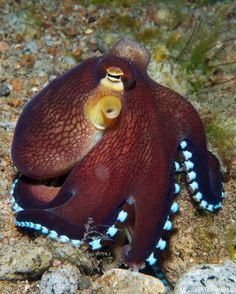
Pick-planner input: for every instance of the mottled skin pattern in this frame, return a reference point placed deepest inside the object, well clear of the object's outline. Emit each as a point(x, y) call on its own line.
point(134, 159)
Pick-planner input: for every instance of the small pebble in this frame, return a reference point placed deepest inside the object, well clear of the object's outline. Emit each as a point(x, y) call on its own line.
point(61, 280)
point(4, 90)
point(88, 31)
point(17, 84)
point(3, 46)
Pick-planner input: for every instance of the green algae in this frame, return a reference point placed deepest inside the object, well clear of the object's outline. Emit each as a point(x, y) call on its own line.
point(205, 236)
point(114, 3)
point(221, 132)
point(118, 22)
point(147, 35)
point(231, 242)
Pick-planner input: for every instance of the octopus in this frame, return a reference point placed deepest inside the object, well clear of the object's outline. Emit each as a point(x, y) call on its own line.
point(100, 146)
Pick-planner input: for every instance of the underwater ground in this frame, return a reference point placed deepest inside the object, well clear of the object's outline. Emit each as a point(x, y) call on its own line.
point(193, 47)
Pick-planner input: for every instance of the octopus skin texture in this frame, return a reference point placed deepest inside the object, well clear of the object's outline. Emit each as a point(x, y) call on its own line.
point(100, 145)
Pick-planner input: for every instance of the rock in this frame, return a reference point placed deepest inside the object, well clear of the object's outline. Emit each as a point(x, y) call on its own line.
point(19, 38)
point(61, 280)
point(4, 90)
point(23, 261)
point(163, 16)
point(125, 281)
point(71, 31)
point(82, 259)
point(77, 52)
point(88, 31)
point(3, 46)
point(17, 85)
point(28, 60)
point(52, 51)
point(208, 278)
point(15, 102)
point(69, 60)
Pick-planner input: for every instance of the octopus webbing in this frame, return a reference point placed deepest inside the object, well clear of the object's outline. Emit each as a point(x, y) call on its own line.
point(111, 140)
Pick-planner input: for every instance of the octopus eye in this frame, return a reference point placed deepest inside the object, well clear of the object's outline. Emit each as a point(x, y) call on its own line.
point(114, 74)
point(113, 80)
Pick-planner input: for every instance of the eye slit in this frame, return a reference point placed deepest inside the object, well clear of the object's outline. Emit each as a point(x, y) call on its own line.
point(114, 74)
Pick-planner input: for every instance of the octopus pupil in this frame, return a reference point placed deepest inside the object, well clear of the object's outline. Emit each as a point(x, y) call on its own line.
point(109, 110)
point(114, 76)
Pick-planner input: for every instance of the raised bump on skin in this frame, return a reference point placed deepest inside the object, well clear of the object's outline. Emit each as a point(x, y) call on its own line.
point(177, 188)
point(188, 165)
point(95, 244)
point(44, 230)
point(203, 204)
point(13, 187)
point(168, 225)
point(12, 200)
point(15, 182)
point(198, 196)
point(151, 259)
point(210, 207)
point(187, 154)
point(53, 234)
point(177, 166)
point(217, 206)
point(31, 225)
point(76, 243)
point(161, 244)
point(193, 186)
point(175, 207)
point(191, 176)
point(112, 231)
point(16, 207)
point(183, 145)
point(64, 239)
point(122, 216)
point(37, 227)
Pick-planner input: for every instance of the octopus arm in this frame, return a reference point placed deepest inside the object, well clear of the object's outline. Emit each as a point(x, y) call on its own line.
point(96, 189)
point(202, 167)
point(151, 209)
point(204, 177)
point(30, 196)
